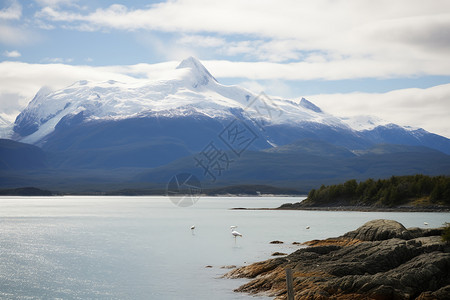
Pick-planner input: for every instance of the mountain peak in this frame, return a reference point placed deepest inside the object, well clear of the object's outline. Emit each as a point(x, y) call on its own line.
point(42, 93)
point(199, 72)
point(309, 105)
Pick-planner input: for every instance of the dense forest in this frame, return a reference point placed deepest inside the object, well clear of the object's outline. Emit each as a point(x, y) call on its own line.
point(394, 191)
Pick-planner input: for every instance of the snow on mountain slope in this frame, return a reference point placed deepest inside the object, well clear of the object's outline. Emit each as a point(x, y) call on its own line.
point(6, 128)
point(189, 90)
point(364, 122)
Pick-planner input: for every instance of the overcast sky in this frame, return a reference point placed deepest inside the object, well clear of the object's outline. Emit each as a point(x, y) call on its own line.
point(390, 59)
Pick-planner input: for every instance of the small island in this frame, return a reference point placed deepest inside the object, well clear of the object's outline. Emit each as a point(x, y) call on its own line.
point(380, 260)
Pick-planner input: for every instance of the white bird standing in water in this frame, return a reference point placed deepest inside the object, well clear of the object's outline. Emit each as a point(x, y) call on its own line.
point(425, 223)
point(235, 234)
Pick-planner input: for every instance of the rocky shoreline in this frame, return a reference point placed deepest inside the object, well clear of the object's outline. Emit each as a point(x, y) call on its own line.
point(380, 260)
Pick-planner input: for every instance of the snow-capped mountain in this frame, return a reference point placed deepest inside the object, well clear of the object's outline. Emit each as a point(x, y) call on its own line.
point(94, 136)
point(191, 91)
point(6, 128)
point(366, 122)
point(187, 109)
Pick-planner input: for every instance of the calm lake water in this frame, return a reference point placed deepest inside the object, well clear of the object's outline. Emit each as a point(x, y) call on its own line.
point(143, 248)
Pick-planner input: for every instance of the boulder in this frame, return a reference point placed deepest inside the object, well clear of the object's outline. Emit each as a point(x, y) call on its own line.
point(420, 232)
point(379, 230)
point(278, 254)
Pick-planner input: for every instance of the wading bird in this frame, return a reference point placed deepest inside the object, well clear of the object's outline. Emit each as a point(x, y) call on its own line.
point(235, 234)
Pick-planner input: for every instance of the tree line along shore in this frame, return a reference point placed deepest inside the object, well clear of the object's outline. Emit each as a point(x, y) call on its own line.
point(395, 192)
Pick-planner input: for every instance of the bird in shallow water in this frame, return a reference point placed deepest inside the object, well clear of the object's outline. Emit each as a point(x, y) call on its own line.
point(235, 234)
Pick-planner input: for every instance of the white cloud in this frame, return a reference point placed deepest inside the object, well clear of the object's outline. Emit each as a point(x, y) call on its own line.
point(11, 35)
point(426, 108)
point(201, 41)
point(347, 39)
point(253, 86)
point(56, 3)
point(43, 25)
point(166, 49)
point(12, 12)
point(321, 68)
point(273, 50)
point(57, 60)
point(12, 54)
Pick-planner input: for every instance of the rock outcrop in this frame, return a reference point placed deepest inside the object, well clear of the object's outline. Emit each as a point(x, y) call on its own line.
point(380, 260)
point(379, 230)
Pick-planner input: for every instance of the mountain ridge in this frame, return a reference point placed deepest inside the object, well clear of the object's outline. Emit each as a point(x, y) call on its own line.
point(301, 168)
point(192, 91)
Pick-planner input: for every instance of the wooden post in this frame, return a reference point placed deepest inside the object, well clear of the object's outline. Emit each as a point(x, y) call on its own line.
point(289, 284)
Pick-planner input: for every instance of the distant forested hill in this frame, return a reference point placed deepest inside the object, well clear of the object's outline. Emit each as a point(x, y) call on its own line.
point(395, 191)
